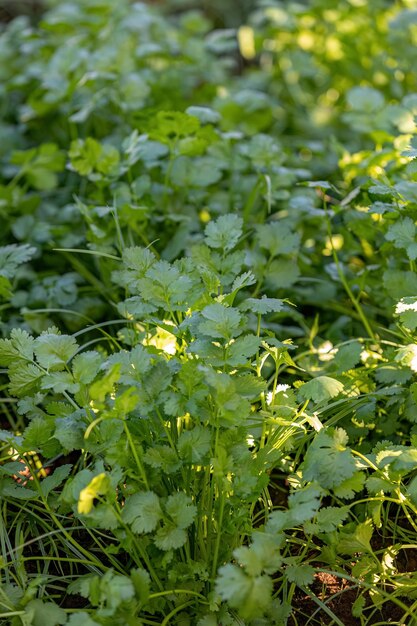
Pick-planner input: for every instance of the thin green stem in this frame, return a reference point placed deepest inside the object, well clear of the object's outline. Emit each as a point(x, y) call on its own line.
point(138, 461)
point(344, 281)
point(222, 503)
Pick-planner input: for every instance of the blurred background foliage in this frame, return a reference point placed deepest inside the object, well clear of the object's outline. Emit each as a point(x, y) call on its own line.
point(229, 13)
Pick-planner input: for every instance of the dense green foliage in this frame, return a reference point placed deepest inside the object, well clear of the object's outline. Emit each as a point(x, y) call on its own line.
point(208, 300)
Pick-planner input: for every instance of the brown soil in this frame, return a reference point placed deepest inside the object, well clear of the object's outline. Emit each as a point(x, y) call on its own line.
point(75, 602)
point(339, 595)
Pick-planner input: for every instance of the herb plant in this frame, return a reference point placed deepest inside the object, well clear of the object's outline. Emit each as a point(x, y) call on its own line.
point(208, 315)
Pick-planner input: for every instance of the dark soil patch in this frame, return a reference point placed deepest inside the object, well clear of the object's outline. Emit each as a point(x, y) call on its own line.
point(335, 593)
point(406, 560)
point(279, 490)
point(339, 596)
point(75, 602)
point(9, 9)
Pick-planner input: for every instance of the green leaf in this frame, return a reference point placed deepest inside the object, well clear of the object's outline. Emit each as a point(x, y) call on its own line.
point(138, 259)
point(85, 366)
point(392, 373)
point(358, 606)
point(18, 347)
point(266, 547)
point(224, 233)
point(249, 386)
point(165, 286)
point(303, 504)
point(412, 490)
point(277, 238)
point(206, 115)
point(349, 487)
point(69, 432)
point(59, 409)
point(163, 457)
point(115, 589)
point(381, 190)
point(403, 235)
point(141, 148)
point(244, 280)
point(359, 540)
point(190, 172)
point(133, 365)
point(5, 288)
point(317, 184)
point(365, 99)
point(209, 351)
point(141, 582)
point(346, 357)
point(180, 513)
point(12, 256)
point(103, 386)
point(59, 382)
point(87, 586)
point(251, 596)
point(262, 306)
point(375, 484)
point(84, 155)
point(13, 468)
point(407, 356)
point(194, 444)
point(250, 559)
point(327, 460)
point(24, 379)
point(88, 156)
point(46, 613)
point(282, 273)
point(241, 349)
point(301, 574)
point(142, 511)
point(53, 350)
point(399, 458)
point(133, 91)
point(320, 389)
point(264, 152)
point(399, 283)
point(12, 596)
point(168, 126)
point(126, 402)
point(135, 308)
point(50, 483)
point(170, 537)
point(406, 309)
point(13, 490)
point(220, 322)
point(180, 509)
point(40, 165)
point(102, 515)
point(327, 519)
